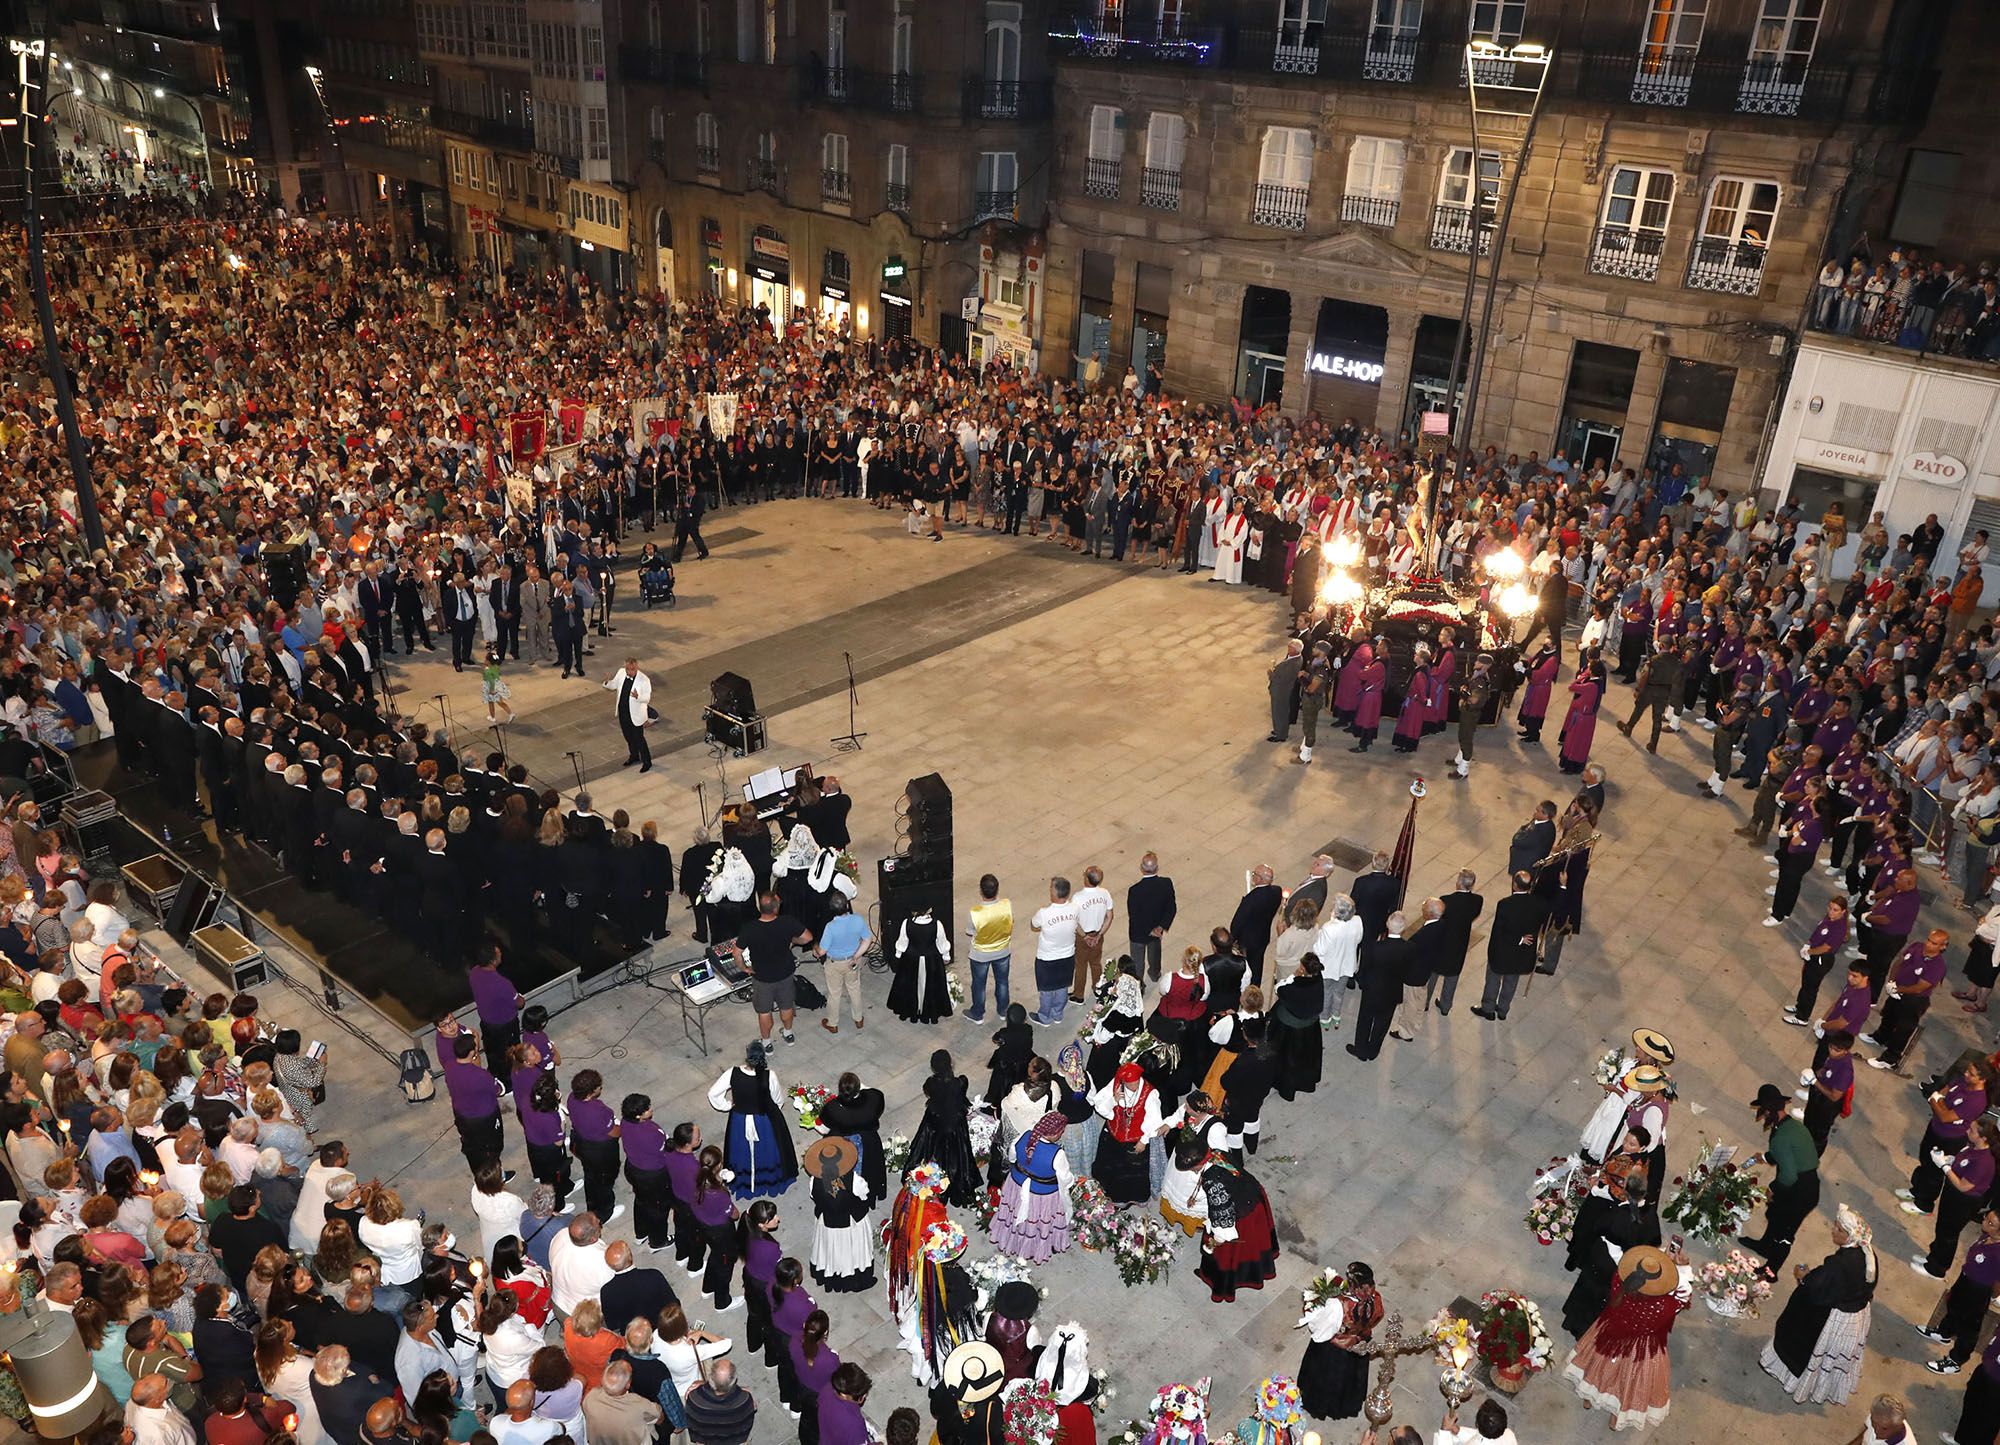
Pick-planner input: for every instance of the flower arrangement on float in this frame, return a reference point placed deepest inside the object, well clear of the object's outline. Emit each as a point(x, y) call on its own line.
point(1714, 1200)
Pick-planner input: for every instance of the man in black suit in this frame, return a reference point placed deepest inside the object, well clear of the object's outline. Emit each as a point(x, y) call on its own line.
point(173, 741)
point(1251, 925)
point(1315, 885)
point(1379, 969)
point(461, 611)
point(566, 627)
point(1461, 907)
point(632, 1293)
point(507, 612)
point(687, 523)
point(1376, 895)
point(212, 748)
point(1510, 952)
point(1533, 840)
point(378, 602)
point(1149, 913)
point(440, 898)
point(410, 611)
point(826, 816)
point(343, 1396)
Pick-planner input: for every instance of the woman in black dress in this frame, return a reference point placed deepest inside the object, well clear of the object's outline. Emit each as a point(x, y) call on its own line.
point(1296, 1033)
point(1076, 502)
point(1817, 1346)
point(942, 1138)
point(1333, 1379)
point(1145, 509)
point(855, 1114)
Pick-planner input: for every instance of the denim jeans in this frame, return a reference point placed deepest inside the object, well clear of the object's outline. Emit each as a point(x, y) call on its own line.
point(1000, 967)
point(1053, 1002)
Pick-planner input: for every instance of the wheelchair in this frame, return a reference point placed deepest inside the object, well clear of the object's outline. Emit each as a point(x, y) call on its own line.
point(656, 584)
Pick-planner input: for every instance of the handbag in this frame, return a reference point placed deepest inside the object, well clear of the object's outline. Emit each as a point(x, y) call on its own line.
point(806, 993)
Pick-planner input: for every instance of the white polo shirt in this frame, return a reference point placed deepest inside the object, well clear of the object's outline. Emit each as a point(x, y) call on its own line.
point(1093, 909)
point(1055, 930)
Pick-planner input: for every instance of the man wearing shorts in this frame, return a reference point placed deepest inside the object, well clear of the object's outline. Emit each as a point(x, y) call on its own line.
point(765, 943)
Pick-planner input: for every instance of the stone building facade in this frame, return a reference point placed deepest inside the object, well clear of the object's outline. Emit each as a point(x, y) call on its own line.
point(851, 160)
point(1285, 213)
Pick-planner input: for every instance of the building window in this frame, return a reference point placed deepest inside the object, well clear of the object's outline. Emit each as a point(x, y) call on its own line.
point(1667, 50)
point(457, 166)
point(896, 177)
point(1735, 236)
point(836, 181)
point(1284, 178)
point(599, 134)
point(1454, 225)
point(707, 145)
point(1781, 51)
point(656, 25)
point(1166, 142)
point(656, 124)
point(1374, 192)
point(1499, 21)
point(994, 192)
point(764, 165)
point(1632, 230)
point(1393, 27)
point(1107, 143)
point(1301, 27)
point(492, 175)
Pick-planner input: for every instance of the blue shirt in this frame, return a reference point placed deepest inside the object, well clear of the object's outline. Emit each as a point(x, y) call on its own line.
point(104, 1146)
point(841, 938)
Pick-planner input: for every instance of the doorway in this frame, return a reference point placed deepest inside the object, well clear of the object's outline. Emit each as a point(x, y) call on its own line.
point(1265, 333)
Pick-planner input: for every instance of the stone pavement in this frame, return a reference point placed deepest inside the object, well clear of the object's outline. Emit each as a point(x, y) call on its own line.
point(1085, 714)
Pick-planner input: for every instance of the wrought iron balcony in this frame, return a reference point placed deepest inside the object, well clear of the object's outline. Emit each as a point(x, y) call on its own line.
point(1453, 229)
point(1735, 268)
point(1007, 100)
point(1624, 252)
point(1100, 178)
point(708, 160)
point(765, 176)
point(507, 134)
point(1280, 206)
point(860, 89)
point(992, 205)
point(1160, 188)
point(654, 65)
point(1371, 210)
point(896, 196)
point(836, 186)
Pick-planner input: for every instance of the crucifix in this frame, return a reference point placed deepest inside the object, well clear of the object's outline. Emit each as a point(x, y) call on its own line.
point(1391, 1344)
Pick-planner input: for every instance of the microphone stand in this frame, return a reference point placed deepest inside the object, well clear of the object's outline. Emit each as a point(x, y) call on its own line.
point(850, 741)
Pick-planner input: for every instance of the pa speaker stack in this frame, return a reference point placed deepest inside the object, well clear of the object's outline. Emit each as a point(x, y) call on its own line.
point(731, 718)
point(920, 873)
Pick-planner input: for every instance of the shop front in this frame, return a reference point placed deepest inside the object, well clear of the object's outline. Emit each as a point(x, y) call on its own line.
point(1261, 340)
point(836, 292)
point(1344, 369)
point(1093, 318)
point(1431, 361)
point(596, 235)
point(1595, 402)
point(1694, 410)
point(770, 270)
point(712, 266)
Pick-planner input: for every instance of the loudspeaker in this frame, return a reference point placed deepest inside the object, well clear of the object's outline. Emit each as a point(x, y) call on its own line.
point(731, 693)
point(903, 890)
point(193, 907)
point(285, 572)
point(923, 820)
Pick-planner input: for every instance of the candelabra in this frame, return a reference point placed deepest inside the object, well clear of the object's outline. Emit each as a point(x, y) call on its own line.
point(1388, 1346)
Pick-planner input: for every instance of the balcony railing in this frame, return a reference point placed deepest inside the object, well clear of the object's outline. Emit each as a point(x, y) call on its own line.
point(1662, 79)
point(860, 89)
point(1733, 267)
point(1720, 86)
point(1453, 229)
point(1160, 188)
point(1100, 178)
point(1623, 252)
point(1280, 206)
point(896, 196)
point(765, 176)
point(1371, 210)
point(656, 151)
point(836, 186)
point(1296, 52)
point(1013, 100)
point(991, 205)
point(504, 133)
point(708, 160)
point(652, 65)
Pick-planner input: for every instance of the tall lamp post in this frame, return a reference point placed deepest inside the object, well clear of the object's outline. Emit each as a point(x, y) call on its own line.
point(33, 60)
point(1504, 85)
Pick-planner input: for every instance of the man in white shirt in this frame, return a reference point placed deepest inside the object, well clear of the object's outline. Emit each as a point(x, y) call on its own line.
point(1489, 1427)
point(1055, 952)
point(520, 1425)
point(315, 1188)
point(1093, 916)
point(152, 1418)
point(239, 1151)
point(577, 1267)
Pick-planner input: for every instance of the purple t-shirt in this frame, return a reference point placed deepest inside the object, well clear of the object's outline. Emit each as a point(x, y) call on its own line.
point(788, 1315)
point(645, 1144)
point(682, 1167)
point(760, 1258)
point(1831, 933)
point(711, 1208)
point(494, 995)
point(1837, 1073)
point(1974, 1165)
point(1896, 914)
point(1850, 1011)
point(590, 1118)
point(1982, 1263)
point(1806, 833)
point(1916, 967)
point(538, 1126)
point(1968, 1101)
point(475, 1093)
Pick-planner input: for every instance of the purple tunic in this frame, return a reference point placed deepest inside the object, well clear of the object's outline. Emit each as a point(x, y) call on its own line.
point(1347, 691)
point(1541, 680)
point(1442, 673)
point(1580, 725)
point(495, 996)
point(590, 1118)
point(1368, 696)
point(1416, 708)
point(645, 1144)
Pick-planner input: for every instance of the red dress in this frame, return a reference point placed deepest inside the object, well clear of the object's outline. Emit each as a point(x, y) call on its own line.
point(1621, 1364)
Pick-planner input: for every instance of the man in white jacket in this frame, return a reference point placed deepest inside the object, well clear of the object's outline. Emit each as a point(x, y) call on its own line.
point(635, 691)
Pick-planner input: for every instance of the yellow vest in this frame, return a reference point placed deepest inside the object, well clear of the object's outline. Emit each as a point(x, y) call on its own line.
point(992, 926)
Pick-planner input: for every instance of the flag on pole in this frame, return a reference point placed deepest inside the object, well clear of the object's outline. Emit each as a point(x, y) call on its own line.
point(1403, 859)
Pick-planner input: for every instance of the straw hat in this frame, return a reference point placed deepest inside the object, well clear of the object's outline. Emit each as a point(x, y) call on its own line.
point(974, 1372)
point(831, 1154)
point(1646, 1079)
point(1654, 1042)
point(1648, 1270)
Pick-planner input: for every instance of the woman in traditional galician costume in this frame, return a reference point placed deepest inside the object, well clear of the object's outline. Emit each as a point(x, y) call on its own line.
point(919, 1205)
point(1200, 1133)
point(843, 1254)
point(1033, 1218)
point(1239, 1243)
point(1130, 1108)
point(1333, 1378)
point(944, 1315)
point(1621, 1363)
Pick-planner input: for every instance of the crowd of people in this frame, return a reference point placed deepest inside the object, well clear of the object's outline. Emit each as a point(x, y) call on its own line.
point(245, 378)
point(1917, 302)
